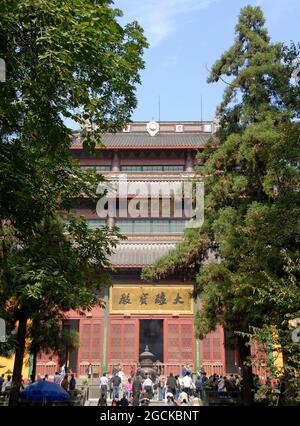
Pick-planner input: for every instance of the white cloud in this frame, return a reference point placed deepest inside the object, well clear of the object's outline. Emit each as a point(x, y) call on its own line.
point(159, 18)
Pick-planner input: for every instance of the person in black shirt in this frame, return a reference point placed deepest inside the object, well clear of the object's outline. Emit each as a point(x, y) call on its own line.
point(171, 384)
point(136, 390)
point(116, 384)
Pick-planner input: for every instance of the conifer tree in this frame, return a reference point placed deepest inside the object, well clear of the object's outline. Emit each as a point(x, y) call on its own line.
point(251, 181)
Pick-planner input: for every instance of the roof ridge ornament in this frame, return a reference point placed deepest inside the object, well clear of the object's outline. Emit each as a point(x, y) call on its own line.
point(152, 127)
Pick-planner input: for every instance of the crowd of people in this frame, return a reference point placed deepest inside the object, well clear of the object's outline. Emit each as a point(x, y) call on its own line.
point(186, 389)
point(137, 390)
point(5, 384)
point(66, 381)
point(172, 390)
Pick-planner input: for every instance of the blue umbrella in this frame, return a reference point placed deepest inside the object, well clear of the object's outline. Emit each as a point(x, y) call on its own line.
point(44, 391)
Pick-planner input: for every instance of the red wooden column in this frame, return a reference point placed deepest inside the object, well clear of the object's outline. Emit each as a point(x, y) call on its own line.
point(165, 340)
point(223, 354)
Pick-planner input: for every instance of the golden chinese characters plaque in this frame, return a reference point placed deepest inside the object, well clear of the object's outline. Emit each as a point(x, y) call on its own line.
point(172, 299)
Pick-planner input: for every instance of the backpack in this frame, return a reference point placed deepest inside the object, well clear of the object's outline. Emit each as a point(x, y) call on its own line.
point(116, 381)
point(198, 384)
point(204, 379)
point(136, 387)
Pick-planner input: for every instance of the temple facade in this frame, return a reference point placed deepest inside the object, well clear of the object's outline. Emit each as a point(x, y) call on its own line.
point(138, 313)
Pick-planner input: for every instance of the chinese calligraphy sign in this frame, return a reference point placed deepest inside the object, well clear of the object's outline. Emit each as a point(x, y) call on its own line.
point(124, 299)
point(160, 299)
point(151, 299)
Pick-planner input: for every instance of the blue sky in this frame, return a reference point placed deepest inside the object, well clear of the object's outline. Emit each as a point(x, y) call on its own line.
point(186, 37)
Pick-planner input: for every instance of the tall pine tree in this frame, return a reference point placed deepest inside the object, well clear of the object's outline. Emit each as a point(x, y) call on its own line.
point(251, 185)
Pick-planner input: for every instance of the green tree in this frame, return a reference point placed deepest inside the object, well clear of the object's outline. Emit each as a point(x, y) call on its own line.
point(283, 294)
point(50, 336)
point(64, 59)
point(60, 268)
point(251, 185)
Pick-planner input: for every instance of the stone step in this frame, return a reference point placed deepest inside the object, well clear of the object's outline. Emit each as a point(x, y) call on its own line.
point(93, 402)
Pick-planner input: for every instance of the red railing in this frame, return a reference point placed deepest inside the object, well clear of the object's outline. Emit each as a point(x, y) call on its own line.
point(213, 368)
point(163, 369)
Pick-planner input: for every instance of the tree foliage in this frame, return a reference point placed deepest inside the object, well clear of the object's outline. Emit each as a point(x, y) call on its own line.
point(66, 59)
point(60, 267)
point(252, 201)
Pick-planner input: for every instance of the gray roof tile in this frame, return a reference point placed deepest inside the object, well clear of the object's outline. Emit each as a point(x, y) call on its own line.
point(137, 140)
point(139, 254)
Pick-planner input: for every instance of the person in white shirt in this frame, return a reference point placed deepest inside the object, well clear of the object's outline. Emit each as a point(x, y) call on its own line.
point(183, 396)
point(2, 380)
point(122, 377)
point(103, 385)
point(187, 382)
point(57, 378)
point(179, 382)
point(7, 384)
point(221, 385)
point(148, 386)
point(170, 400)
